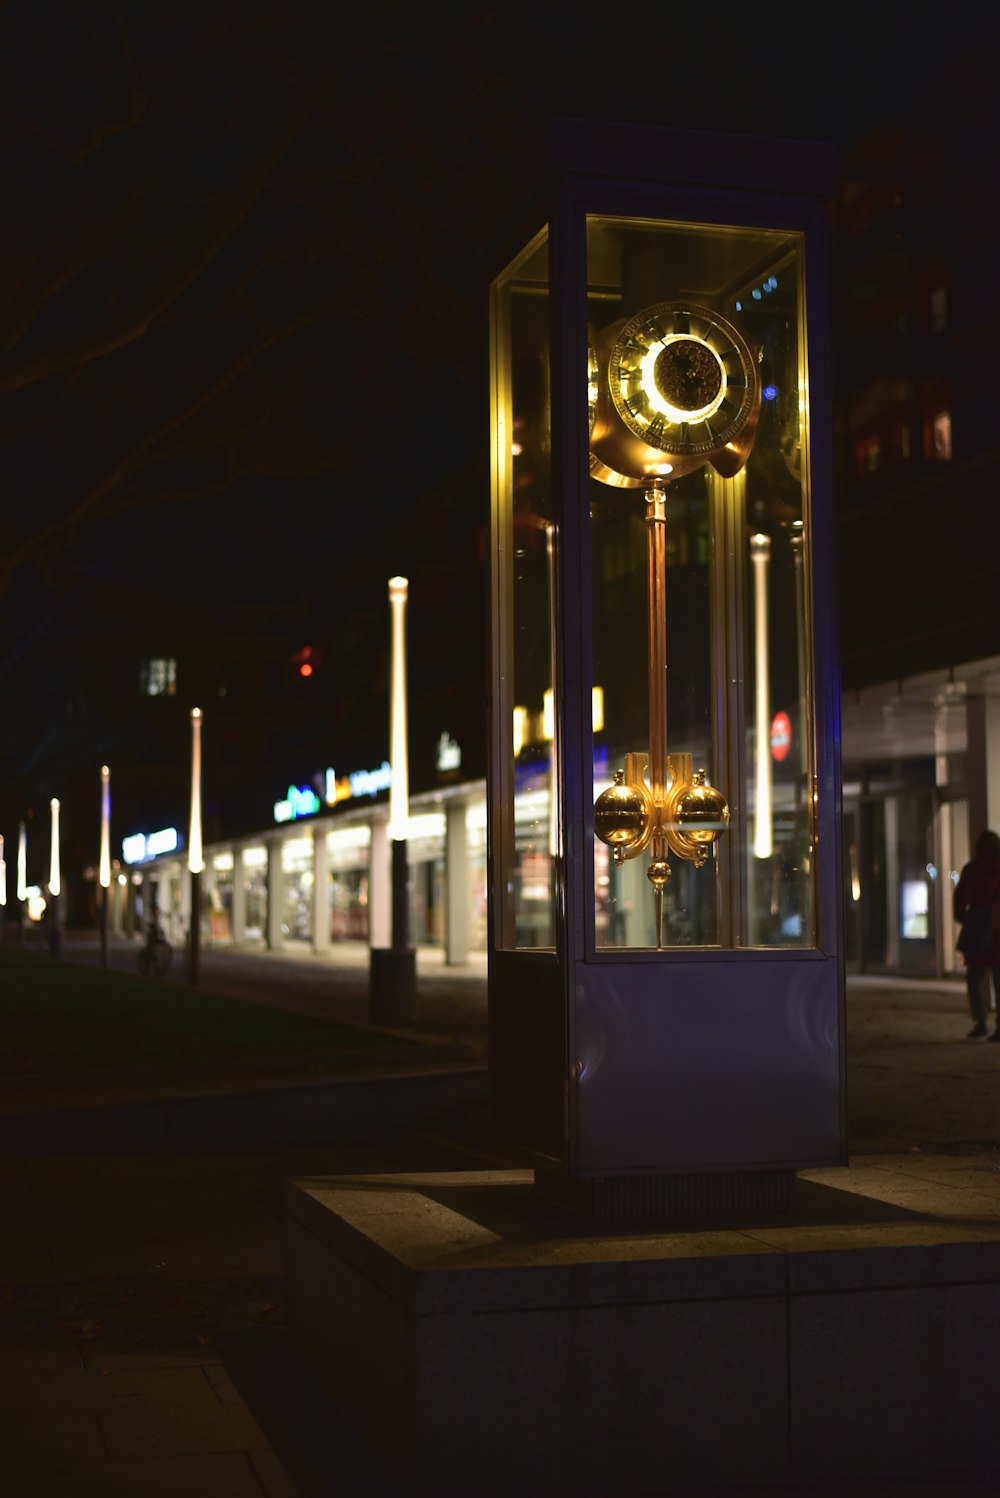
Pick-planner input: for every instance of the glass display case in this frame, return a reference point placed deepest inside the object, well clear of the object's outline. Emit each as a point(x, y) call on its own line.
point(666, 978)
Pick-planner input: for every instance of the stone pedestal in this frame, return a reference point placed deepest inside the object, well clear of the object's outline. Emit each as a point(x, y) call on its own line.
point(484, 1342)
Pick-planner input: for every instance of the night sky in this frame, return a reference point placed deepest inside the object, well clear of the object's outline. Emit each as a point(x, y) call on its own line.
point(242, 306)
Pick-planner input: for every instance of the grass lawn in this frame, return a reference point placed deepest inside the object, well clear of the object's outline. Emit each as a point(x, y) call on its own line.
point(57, 1016)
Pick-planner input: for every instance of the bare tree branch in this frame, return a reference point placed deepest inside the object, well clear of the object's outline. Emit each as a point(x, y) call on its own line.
point(95, 499)
point(108, 334)
point(123, 119)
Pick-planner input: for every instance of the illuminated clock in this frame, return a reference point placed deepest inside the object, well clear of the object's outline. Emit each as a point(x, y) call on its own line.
point(677, 387)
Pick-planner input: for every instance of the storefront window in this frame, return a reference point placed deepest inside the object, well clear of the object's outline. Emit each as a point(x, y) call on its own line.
point(426, 855)
point(348, 856)
point(220, 898)
point(298, 880)
point(475, 831)
point(255, 892)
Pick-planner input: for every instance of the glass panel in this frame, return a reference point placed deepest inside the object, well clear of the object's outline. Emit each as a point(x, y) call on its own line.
point(524, 534)
point(696, 389)
point(347, 902)
point(475, 827)
point(348, 853)
point(917, 876)
point(297, 888)
point(778, 907)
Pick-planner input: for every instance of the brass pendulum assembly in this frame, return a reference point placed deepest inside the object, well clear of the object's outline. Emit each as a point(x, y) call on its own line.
point(657, 801)
point(673, 387)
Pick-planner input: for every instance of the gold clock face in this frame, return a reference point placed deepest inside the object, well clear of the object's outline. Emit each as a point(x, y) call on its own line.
point(682, 379)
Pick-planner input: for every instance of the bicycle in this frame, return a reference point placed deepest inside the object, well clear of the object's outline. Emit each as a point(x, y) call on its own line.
point(154, 958)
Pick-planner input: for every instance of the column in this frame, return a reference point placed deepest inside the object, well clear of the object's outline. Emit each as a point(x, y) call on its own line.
point(275, 894)
point(321, 892)
point(182, 881)
point(238, 916)
point(379, 886)
point(892, 894)
point(456, 855)
point(982, 726)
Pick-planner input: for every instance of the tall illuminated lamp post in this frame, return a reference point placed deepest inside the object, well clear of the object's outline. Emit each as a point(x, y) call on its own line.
point(394, 970)
point(3, 890)
point(104, 865)
point(22, 878)
point(196, 861)
point(55, 881)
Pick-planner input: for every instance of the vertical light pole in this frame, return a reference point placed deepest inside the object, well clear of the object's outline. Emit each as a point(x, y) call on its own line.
point(399, 791)
point(3, 890)
point(104, 866)
point(22, 877)
point(55, 880)
point(196, 861)
point(393, 970)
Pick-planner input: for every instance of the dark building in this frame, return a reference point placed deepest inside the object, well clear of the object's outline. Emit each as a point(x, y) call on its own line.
point(918, 235)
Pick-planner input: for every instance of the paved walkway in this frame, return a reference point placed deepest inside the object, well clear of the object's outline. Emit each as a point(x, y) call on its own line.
point(141, 1351)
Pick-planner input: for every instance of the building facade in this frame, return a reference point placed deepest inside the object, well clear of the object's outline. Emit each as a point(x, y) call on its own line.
point(918, 230)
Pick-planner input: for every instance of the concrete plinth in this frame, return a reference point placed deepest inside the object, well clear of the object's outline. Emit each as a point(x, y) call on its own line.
point(392, 994)
point(484, 1342)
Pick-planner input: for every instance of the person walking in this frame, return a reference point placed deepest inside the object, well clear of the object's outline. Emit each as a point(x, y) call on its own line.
point(977, 907)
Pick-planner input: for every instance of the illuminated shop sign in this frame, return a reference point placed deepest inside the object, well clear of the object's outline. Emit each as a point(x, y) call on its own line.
point(449, 755)
point(360, 783)
point(301, 801)
point(140, 846)
point(781, 736)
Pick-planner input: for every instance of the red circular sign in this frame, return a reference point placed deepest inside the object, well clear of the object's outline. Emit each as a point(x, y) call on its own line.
point(781, 735)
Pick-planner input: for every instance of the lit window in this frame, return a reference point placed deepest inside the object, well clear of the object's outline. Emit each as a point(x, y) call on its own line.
point(942, 436)
point(938, 306)
point(158, 677)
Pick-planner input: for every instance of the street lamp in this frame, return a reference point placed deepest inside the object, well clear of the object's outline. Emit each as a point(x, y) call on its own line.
point(55, 879)
point(399, 790)
point(196, 861)
point(104, 866)
point(22, 877)
point(3, 889)
point(393, 970)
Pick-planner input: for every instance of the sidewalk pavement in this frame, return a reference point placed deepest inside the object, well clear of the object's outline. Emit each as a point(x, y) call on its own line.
point(141, 1347)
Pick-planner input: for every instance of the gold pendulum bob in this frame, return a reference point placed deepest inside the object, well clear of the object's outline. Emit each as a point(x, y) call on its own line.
point(693, 814)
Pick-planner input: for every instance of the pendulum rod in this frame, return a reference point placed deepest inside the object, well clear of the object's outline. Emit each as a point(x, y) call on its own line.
point(656, 553)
